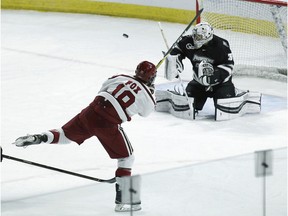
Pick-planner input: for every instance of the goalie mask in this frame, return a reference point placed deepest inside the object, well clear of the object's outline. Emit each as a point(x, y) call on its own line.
point(202, 33)
point(146, 72)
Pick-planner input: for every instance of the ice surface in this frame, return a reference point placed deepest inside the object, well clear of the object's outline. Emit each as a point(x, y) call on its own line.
point(53, 65)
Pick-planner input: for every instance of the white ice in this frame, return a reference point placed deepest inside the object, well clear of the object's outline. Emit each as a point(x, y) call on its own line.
point(53, 65)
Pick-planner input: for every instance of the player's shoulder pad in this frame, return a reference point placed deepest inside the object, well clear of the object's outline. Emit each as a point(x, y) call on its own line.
point(221, 41)
point(182, 44)
point(117, 75)
point(187, 39)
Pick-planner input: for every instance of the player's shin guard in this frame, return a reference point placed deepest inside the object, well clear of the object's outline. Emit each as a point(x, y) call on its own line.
point(120, 173)
point(123, 188)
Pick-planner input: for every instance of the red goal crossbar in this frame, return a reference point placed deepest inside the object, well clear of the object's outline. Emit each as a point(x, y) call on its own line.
point(271, 2)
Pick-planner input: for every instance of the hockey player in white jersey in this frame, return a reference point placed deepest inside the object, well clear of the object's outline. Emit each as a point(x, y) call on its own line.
point(119, 98)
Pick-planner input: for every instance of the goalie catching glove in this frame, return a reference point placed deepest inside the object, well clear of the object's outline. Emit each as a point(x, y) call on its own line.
point(173, 66)
point(205, 71)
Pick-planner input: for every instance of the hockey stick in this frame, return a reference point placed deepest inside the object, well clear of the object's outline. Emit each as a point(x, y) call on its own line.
point(179, 77)
point(179, 38)
point(113, 180)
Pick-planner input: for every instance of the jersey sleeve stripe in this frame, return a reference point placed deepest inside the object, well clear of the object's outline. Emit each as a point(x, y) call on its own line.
point(227, 68)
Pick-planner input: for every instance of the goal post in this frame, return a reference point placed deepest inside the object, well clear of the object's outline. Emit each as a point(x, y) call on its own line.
point(255, 29)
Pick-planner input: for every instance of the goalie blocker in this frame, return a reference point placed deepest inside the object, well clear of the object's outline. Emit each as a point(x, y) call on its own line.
point(225, 109)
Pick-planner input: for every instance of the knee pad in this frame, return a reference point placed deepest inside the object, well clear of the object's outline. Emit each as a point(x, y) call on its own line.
point(126, 162)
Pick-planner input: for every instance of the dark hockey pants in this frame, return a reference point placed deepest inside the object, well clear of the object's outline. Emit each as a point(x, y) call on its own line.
point(200, 92)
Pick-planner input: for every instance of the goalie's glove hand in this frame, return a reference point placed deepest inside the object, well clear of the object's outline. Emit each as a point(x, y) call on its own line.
point(178, 64)
point(205, 71)
point(30, 140)
point(173, 66)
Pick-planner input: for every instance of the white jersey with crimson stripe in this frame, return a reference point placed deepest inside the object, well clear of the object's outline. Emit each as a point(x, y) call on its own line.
point(128, 96)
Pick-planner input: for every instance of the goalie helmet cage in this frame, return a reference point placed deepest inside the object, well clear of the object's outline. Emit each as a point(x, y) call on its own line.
point(252, 27)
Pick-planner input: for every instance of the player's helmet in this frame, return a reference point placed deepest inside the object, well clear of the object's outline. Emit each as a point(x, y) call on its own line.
point(202, 33)
point(146, 71)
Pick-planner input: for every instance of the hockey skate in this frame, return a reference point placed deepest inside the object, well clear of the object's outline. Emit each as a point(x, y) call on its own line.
point(124, 207)
point(30, 140)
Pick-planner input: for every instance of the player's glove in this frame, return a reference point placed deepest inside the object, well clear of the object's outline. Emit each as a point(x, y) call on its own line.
point(205, 71)
point(30, 140)
point(173, 66)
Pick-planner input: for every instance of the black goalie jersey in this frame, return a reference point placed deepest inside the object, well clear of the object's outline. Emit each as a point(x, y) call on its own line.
point(217, 52)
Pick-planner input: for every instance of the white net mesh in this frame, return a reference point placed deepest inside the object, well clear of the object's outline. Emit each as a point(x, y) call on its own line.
point(254, 25)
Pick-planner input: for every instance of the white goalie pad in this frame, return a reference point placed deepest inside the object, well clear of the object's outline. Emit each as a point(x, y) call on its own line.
point(177, 105)
point(172, 67)
point(230, 108)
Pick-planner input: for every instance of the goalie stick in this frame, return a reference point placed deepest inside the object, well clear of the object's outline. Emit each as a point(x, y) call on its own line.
point(112, 180)
point(179, 77)
point(179, 38)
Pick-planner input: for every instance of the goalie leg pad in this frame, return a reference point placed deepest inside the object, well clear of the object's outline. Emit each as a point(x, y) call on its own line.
point(245, 102)
point(177, 105)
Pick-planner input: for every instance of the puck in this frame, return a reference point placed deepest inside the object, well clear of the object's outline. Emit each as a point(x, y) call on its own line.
point(125, 35)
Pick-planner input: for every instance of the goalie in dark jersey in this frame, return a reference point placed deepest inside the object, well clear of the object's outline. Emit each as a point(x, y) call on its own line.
point(212, 63)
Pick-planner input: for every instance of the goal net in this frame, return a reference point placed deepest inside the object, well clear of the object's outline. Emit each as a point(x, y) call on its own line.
point(255, 29)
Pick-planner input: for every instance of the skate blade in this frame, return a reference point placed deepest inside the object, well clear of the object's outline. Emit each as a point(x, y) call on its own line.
point(127, 207)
